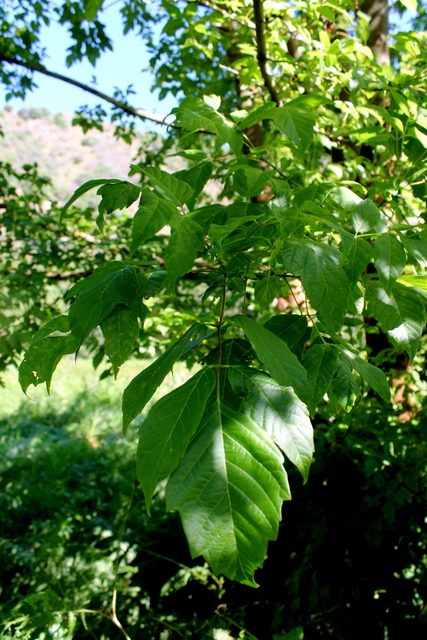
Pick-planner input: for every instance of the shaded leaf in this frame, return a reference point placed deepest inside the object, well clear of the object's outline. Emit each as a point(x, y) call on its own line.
point(321, 363)
point(153, 213)
point(87, 186)
point(165, 184)
point(275, 355)
point(185, 241)
point(97, 301)
point(120, 329)
point(292, 329)
point(141, 388)
point(325, 283)
point(196, 177)
point(365, 216)
point(390, 259)
point(344, 389)
point(168, 428)
point(279, 411)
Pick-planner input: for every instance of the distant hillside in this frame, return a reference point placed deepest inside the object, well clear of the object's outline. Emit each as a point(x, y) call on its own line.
point(63, 152)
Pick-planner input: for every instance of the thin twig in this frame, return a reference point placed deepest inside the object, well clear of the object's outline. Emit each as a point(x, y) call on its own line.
point(262, 50)
point(138, 113)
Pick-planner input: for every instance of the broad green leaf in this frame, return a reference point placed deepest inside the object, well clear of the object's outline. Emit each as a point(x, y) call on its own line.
point(98, 276)
point(275, 355)
point(95, 303)
point(168, 429)
point(141, 388)
point(279, 411)
point(292, 329)
point(229, 490)
point(120, 329)
point(219, 232)
point(344, 198)
point(416, 248)
point(185, 241)
point(357, 257)
point(44, 354)
point(414, 281)
point(87, 186)
point(365, 216)
point(344, 389)
point(60, 324)
point(316, 192)
point(402, 314)
point(389, 258)
point(196, 177)
point(267, 289)
point(154, 284)
point(250, 182)
point(293, 120)
point(205, 216)
point(119, 195)
point(153, 213)
point(321, 362)
point(233, 352)
point(165, 184)
point(195, 115)
point(373, 376)
point(325, 283)
point(296, 123)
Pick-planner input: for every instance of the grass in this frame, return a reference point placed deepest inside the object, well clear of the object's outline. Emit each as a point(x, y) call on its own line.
point(77, 551)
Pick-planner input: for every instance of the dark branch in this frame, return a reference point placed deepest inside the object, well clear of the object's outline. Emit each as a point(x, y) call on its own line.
point(262, 50)
point(138, 113)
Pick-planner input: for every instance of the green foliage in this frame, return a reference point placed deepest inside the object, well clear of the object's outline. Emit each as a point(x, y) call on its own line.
point(321, 158)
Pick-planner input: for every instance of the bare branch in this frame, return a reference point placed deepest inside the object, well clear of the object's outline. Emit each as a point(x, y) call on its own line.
point(262, 50)
point(138, 113)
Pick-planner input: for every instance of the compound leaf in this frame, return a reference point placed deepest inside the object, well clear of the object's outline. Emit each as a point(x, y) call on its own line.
point(321, 363)
point(120, 329)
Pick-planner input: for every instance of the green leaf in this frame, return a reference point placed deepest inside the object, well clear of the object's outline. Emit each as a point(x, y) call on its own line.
point(365, 216)
point(414, 281)
point(120, 330)
point(165, 185)
point(357, 256)
point(410, 4)
point(195, 115)
point(279, 412)
point(275, 355)
point(374, 377)
point(168, 429)
point(45, 352)
point(267, 289)
point(325, 282)
point(296, 124)
point(416, 248)
point(182, 248)
point(250, 182)
point(101, 294)
point(219, 232)
point(141, 388)
point(292, 329)
point(390, 259)
point(196, 177)
point(91, 8)
point(321, 363)
point(205, 216)
point(402, 314)
point(87, 186)
point(344, 389)
point(119, 195)
point(152, 215)
point(229, 490)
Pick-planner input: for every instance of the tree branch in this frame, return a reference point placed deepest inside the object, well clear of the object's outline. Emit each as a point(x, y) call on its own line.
point(262, 50)
point(138, 113)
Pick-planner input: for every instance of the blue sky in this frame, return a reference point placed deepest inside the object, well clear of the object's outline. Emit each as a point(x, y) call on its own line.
point(121, 67)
